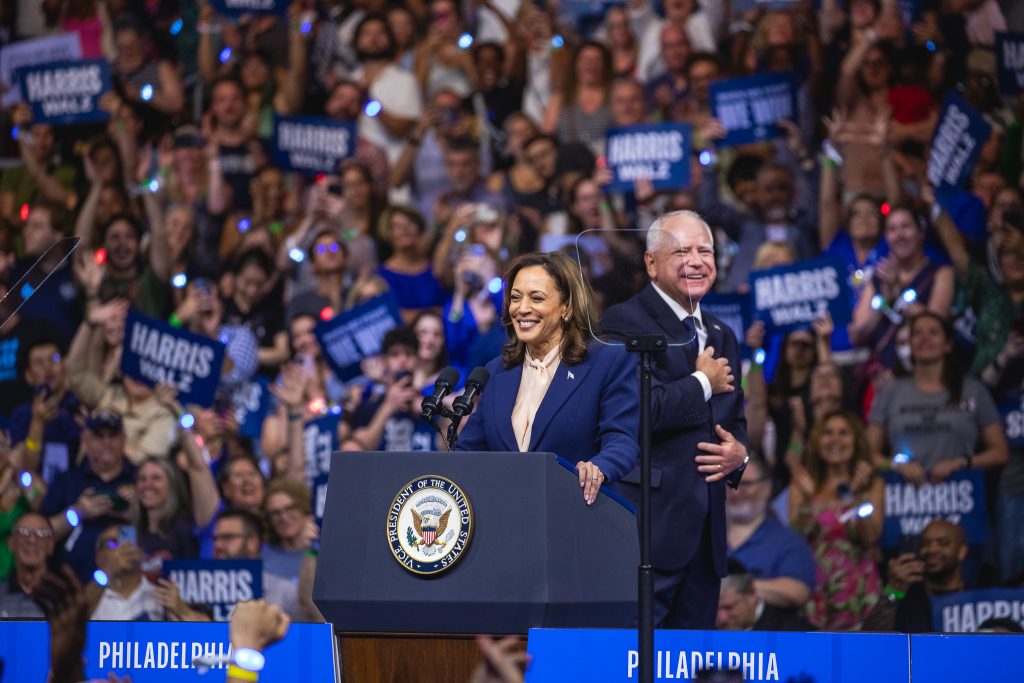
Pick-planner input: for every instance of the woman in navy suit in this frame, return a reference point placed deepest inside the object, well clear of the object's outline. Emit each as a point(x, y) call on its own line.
point(554, 389)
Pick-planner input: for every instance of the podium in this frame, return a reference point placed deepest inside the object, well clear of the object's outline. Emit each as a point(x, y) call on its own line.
point(537, 556)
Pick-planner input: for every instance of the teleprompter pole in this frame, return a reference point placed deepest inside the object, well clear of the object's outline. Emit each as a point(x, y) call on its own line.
point(646, 345)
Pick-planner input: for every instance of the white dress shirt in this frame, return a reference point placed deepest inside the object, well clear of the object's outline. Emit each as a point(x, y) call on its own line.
point(702, 334)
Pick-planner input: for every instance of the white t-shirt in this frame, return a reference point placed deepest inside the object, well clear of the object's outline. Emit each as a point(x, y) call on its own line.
point(140, 605)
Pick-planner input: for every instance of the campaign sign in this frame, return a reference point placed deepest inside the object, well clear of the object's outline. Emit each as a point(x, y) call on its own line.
point(735, 310)
point(306, 144)
point(320, 437)
point(236, 8)
point(965, 612)
point(959, 136)
point(65, 92)
point(163, 652)
point(1012, 411)
point(217, 583)
point(909, 508)
point(155, 352)
point(56, 48)
point(1010, 62)
point(659, 153)
point(750, 107)
point(320, 498)
point(251, 402)
point(606, 655)
point(349, 337)
point(791, 297)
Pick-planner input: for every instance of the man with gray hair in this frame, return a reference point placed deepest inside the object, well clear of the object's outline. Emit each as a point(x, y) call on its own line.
point(699, 432)
point(741, 608)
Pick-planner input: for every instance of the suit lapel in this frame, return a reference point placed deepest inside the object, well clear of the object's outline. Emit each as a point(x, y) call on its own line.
point(567, 378)
point(661, 313)
point(716, 333)
point(507, 384)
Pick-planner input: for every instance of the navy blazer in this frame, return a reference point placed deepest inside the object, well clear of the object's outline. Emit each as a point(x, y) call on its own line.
point(590, 412)
point(681, 501)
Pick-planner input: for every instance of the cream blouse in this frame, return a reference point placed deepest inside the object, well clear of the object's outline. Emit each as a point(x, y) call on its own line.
point(537, 376)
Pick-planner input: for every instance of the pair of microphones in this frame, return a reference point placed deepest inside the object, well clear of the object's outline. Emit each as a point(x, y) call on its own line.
point(462, 406)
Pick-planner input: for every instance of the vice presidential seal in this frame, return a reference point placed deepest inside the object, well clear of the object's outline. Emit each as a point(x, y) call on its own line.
point(430, 523)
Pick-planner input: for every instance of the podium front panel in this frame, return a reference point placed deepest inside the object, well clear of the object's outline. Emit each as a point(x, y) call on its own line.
point(538, 555)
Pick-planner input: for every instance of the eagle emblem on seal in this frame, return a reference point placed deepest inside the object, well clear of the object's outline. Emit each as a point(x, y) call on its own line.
point(429, 528)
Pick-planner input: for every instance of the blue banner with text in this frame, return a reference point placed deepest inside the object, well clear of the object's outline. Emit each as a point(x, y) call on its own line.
point(349, 337)
point(966, 611)
point(959, 136)
point(221, 584)
point(600, 656)
point(1010, 62)
point(163, 652)
point(311, 145)
point(659, 153)
point(909, 508)
point(750, 108)
point(791, 297)
point(155, 352)
point(65, 92)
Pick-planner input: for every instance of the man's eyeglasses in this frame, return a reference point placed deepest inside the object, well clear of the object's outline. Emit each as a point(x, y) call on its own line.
point(38, 533)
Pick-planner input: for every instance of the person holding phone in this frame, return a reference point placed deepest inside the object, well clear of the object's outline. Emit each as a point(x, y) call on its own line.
point(93, 494)
point(390, 421)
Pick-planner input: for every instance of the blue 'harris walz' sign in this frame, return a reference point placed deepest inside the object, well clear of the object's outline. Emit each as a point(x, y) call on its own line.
point(791, 297)
point(221, 584)
point(353, 335)
point(964, 612)
point(910, 508)
point(65, 92)
point(307, 144)
point(658, 153)
point(750, 108)
point(236, 8)
point(155, 352)
point(959, 136)
point(1010, 62)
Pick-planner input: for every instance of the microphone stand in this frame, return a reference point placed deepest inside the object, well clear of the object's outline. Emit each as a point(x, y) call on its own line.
point(453, 427)
point(645, 345)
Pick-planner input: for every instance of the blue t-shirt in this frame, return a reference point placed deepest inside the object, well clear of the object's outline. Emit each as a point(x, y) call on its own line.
point(859, 275)
point(774, 551)
point(421, 290)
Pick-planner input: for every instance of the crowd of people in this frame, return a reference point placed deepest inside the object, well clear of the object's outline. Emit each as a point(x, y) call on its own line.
point(481, 128)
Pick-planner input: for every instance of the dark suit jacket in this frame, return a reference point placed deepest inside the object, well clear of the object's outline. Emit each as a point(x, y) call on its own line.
point(590, 412)
point(680, 419)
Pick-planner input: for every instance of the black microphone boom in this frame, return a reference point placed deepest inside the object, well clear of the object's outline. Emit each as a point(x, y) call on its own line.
point(475, 383)
point(443, 385)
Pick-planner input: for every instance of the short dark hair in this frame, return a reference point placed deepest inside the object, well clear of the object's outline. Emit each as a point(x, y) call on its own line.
point(234, 80)
point(252, 524)
point(744, 168)
point(254, 257)
point(400, 336)
point(131, 220)
point(33, 343)
point(540, 137)
point(60, 218)
point(698, 57)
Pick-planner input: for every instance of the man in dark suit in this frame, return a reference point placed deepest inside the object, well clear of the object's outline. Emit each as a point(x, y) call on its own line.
point(740, 608)
point(699, 433)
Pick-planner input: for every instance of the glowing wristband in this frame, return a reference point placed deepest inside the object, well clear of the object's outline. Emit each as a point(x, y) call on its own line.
point(72, 516)
point(248, 659)
point(174, 320)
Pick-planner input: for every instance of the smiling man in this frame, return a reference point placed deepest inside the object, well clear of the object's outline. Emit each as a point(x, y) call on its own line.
point(699, 432)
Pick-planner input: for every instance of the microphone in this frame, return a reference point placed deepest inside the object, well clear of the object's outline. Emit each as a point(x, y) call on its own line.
point(443, 385)
point(475, 383)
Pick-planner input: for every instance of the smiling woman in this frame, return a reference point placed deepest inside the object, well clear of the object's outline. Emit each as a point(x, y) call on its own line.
point(547, 313)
